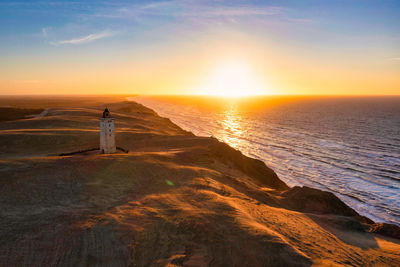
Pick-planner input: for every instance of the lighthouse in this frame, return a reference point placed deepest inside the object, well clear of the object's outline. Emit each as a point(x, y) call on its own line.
point(107, 136)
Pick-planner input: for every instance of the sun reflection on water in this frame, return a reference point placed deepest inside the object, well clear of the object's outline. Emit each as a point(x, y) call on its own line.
point(232, 128)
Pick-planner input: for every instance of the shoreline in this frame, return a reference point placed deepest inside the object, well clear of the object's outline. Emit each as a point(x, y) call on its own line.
point(365, 206)
point(175, 198)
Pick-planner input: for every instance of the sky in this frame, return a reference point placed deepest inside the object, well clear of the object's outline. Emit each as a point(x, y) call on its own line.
point(318, 47)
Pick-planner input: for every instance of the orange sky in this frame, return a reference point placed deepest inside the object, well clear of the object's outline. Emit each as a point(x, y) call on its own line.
point(276, 54)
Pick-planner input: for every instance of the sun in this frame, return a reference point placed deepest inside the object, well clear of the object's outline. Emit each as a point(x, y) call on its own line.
point(232, 79)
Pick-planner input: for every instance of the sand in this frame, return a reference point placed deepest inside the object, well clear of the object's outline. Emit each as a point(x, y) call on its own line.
point(175, 199)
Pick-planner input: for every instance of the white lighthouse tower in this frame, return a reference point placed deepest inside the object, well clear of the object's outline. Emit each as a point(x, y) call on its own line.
point(107, 136)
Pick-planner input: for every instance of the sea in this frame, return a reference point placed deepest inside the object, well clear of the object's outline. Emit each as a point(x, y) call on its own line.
point(349, 146)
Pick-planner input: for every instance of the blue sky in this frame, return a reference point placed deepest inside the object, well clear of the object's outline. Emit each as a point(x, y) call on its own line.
point(27, 23)
point(31, 31)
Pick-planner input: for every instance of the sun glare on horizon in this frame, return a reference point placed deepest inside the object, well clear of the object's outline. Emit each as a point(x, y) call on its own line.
point(232, 79)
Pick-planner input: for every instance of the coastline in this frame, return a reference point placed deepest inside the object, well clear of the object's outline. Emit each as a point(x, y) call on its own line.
point(380, 227)
point(304, 154)
point(218, 206)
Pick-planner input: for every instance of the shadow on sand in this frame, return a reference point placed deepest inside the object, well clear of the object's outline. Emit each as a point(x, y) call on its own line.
point(347, 229)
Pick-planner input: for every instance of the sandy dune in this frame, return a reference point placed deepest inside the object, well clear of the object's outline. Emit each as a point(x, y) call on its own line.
point(175, 199)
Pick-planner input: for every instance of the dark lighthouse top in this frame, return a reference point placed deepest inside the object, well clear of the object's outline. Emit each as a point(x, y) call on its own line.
point(106, 113)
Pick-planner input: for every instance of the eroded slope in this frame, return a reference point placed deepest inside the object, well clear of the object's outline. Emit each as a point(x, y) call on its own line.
point(174, 199)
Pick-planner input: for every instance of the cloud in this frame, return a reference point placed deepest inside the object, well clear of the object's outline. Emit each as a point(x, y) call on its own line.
point(178, 8)
point(85, 39)
point(236, 11)
point(45, 31)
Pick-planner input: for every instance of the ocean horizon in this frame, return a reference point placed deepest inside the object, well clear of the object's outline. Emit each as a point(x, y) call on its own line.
point(349, 146)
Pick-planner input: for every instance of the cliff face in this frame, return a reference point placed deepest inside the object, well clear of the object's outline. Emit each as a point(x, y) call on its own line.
point(175, 199)
point(254, 168)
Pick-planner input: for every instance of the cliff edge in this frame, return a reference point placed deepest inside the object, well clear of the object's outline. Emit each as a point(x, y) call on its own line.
point(174, 200)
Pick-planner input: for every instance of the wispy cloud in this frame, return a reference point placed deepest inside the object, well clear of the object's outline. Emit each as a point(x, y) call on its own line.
point(176, 15)
point(45, 31)
point(178, 8)
point(241, 11)
point(85, 39)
